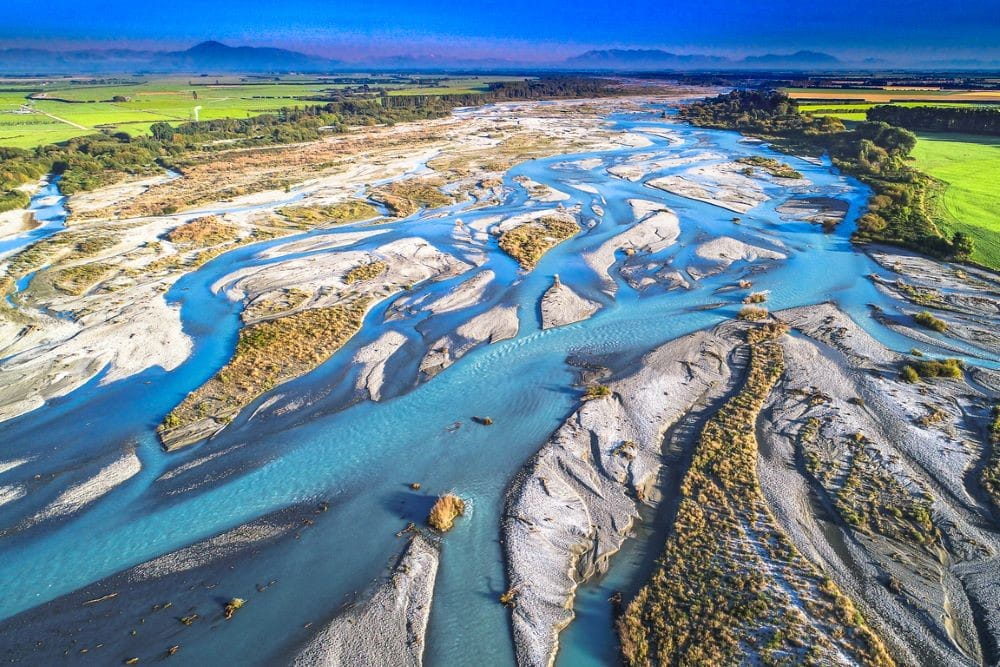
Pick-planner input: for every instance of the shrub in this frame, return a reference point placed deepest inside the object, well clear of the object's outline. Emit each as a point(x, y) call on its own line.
point(932, 368)
point(596, 391)
point(927, 320)
point(13, 199)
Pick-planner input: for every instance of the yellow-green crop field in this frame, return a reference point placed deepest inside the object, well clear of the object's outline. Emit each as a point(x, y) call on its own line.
point(969, 168)
point(43, 112)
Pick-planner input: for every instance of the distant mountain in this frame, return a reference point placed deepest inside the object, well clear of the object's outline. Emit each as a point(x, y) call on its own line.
point(217, 57)
point(643, 59)
point(800, 59)
point(208, 57)
point(656, 59)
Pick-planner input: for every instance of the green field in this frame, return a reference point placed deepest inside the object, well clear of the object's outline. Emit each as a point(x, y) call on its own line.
point(62, 109)
point(970, 168)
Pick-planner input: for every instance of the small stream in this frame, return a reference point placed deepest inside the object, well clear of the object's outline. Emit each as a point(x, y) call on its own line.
point(48, 207)
point(361, 458)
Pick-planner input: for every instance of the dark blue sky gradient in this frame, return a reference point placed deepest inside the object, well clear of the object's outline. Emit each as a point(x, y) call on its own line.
point(532, 29)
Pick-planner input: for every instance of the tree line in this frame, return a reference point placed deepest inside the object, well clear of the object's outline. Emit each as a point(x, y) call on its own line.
point(92, 161)
point(969, 120)
point(875, 152)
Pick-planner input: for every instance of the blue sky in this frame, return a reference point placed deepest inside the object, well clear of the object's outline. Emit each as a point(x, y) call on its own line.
point(532, 29)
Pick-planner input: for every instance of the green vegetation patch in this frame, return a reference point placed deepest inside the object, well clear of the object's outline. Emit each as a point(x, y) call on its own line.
point(902, 210)
point(332, 214)
point(268, 354)
point(13, 199)
point(717, 595)
point(774, 167)
point(925, 319)
point(528, 242)
point(917, 370)
point(872, 500)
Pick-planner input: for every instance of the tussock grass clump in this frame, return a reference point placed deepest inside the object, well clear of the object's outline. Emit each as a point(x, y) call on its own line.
point(718, 593)
point(752, 314)
point(774, 167)
point(365, 272)
point(446, 509)
point(756, 297)
point(925, 319)
point(528, 242)
point(923, 296)
point(268, 354)
point(932, 368)
point(333, 214)
point(204, 231)
point(404, 198)
point(596, 391)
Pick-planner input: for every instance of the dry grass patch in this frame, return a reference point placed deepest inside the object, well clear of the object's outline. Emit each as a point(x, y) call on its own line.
point(76, 280)
point(719, 593)
point(267, 355)
point(528, 242)
point(368, 271)
point(204, 231)
point(446, 509)
point(753, 314)
point(290, 299)
point(333, 214)
point(404, 198)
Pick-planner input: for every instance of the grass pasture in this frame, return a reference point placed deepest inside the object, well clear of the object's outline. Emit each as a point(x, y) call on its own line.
point(969, 166)
point(48, 111)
